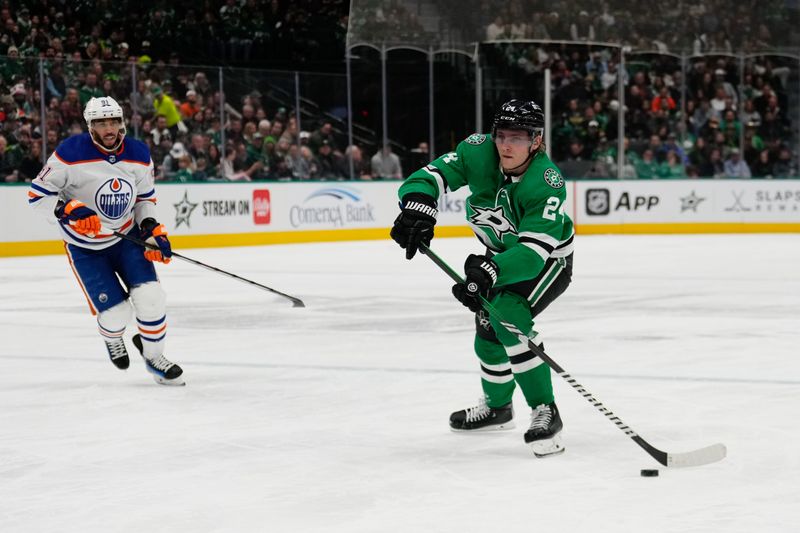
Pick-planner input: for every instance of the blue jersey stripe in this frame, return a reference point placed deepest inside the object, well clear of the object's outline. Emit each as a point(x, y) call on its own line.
point(42, 190)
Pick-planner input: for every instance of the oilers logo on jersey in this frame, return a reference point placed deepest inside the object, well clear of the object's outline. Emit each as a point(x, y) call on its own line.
point(114, 197)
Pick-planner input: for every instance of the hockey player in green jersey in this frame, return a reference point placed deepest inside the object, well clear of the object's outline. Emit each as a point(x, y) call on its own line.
point(516, 209)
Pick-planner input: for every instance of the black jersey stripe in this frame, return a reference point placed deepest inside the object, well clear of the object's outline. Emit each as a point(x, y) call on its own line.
point(541, 244)
point(433, 170)
point(566, 243)
point(521, 358)
point(499, 373)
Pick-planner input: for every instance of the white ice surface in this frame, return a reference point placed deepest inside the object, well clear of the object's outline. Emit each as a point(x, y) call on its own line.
point(333, 418)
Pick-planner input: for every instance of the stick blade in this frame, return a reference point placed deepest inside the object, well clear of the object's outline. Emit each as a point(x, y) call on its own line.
point(298, 303)
point(703, 456)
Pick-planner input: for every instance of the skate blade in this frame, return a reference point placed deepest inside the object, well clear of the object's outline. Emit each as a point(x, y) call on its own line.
point(175, 382)
point(498, 427)
point(547, 447)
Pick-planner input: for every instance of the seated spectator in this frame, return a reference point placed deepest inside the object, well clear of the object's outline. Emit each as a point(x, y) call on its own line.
point(185, 170)
point(310, 162)
point(420, 155)
point(361, 167)
point(672, 167)
point(297, 164)
point(264, 127)
point(31, 163)
point(169, 166)
point(189, 108)
point(713, 167)
point(9, 161)
point(160, 129)
point(329, 165)
point(663, 100)
point(762, 166)
point(672, 145)
point(323, 133)
point(386, 165)
point(90, 89)
point(750, 114)
point(785, 166)
point(646, 167)
point(735, 166)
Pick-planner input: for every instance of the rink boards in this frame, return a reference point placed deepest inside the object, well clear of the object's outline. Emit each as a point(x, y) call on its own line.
point(240, 214)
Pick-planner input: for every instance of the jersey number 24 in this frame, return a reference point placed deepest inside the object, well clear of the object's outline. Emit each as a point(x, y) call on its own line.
point(552, 208)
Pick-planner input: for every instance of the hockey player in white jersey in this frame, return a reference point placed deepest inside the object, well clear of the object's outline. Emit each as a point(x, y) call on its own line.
point(96, 183)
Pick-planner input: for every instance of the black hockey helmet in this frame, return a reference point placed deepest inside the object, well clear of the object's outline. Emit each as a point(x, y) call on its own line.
point(520, 115)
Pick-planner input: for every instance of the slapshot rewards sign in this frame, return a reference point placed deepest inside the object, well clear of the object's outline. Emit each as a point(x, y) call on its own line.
point(336, 207)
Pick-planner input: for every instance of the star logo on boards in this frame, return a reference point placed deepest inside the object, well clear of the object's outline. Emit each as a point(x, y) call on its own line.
point(691, 202)
point(183, 210)
point(493, 218)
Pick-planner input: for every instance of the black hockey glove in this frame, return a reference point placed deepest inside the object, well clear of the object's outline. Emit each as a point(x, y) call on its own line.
point(414, 225)
point(481, 274)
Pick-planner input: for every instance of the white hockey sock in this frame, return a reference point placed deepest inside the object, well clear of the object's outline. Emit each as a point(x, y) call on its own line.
point(111, 323)
point(150, 303)
point(153, 333)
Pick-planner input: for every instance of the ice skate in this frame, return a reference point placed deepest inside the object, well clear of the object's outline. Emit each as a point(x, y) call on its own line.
point(163, 370)
point(118, 353)
point(483, 418)
point(544, 432)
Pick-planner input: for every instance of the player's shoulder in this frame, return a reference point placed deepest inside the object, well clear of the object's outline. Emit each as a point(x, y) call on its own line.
point(544, 177)
point(477, 151)
point(77, 148)
point(476, 143)
point(136, 151)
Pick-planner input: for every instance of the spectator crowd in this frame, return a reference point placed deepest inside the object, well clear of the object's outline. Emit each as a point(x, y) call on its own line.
point(709, 120)
point(177, 110)
point(716, 117)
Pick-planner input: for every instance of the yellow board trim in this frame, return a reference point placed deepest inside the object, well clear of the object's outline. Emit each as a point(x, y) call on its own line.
point(689, 227)
point(30, 248)
point(16, 249)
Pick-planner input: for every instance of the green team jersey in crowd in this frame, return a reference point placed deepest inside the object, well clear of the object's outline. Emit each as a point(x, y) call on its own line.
point(521, 219)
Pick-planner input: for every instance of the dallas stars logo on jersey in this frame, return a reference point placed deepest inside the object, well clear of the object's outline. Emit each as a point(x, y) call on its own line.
point(553, 178)
point(493, 218)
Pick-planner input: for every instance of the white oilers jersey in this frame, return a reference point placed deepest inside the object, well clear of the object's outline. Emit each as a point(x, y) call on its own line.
point(118, 187)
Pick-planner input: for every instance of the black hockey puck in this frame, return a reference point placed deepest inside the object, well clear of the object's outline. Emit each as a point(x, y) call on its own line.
point(646, 472)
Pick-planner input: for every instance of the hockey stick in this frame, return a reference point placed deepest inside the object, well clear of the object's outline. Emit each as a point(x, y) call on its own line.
point(702, 456)
point(296, 302)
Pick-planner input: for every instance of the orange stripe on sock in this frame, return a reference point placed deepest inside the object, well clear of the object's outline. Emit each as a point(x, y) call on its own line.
point(151, 331)
point(86, 294)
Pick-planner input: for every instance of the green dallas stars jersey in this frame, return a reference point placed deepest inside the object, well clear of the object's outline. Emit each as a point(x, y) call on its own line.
point(522, 220)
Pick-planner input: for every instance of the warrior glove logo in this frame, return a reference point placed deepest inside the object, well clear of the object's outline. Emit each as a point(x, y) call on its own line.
point(113, 198)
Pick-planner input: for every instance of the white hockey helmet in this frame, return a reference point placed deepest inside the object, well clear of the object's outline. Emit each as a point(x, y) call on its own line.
point(101, 108)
